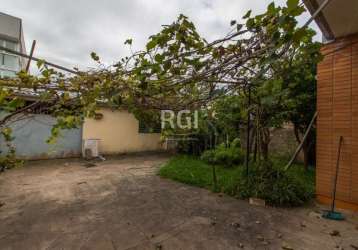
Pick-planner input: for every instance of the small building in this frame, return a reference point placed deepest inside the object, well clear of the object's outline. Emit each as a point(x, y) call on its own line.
point(118, 131)
point(337, 101)
point(31, 132)
point(11, 37)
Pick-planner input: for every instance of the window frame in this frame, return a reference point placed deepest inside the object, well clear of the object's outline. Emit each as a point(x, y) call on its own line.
point(3, 67)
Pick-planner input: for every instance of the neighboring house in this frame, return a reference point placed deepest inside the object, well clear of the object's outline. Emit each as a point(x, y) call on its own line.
point(30, 134)
point(11, 37)
point(337, 101)
point(117, 131)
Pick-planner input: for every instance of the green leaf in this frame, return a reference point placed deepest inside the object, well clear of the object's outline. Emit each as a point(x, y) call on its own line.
point(292, 4)
point(167, 65)
point(129, 41)
point(298, 35)
point(159, 58)
point(233, 22)
point(250, 23)
point(40, 63)
point(94, 56)
point(271, 8)
point(151, 44)
point(16, 103)
point(6, 132)
point(297, 11)
point(247, 15)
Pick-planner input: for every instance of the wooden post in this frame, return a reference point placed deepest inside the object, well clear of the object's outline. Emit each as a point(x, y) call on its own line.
point(303, 140)
point(30, 56)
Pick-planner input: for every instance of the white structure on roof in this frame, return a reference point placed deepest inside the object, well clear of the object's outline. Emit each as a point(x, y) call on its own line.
point(11, 37)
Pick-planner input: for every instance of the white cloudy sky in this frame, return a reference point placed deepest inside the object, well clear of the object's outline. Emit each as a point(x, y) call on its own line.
point(67, 31)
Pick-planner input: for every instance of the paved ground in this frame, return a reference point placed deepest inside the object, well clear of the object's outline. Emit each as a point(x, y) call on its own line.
point(122, 204)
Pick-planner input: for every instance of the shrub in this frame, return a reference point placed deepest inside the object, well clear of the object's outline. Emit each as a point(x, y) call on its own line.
point(268, 181)
point(226, 157)
point(276, 186)
point(208, 156)
point(236, 143)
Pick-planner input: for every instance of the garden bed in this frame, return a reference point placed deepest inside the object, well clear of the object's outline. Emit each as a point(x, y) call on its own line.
point(193, 171)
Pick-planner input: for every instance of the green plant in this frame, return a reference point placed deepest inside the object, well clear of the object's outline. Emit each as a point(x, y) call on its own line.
point(276, 186)
point(8, 158)
point(193, 171)
point(226, 157)
point(268, 181)
point(208, 156)
point(236, 143)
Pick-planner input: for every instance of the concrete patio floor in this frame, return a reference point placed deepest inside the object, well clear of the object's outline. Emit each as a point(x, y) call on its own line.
point(122, 204)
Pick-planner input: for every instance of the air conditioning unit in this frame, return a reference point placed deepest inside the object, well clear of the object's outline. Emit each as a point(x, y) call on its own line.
point(90, 148)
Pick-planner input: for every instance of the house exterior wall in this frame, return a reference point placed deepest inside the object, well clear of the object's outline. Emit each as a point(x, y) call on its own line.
point(283, 142)
point(11, 37)
point(337, 105)
point(10, 27)
point(30, 137)
point(118, 133)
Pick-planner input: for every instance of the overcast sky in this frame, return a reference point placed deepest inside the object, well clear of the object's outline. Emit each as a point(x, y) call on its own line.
point(67, 31)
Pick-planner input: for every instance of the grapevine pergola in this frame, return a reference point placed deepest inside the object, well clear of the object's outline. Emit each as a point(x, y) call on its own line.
point(177, 70)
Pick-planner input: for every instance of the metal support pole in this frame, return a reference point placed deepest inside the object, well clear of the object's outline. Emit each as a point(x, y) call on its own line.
point(248, 133)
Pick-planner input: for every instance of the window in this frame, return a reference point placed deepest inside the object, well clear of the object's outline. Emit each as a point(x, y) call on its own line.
point(9, 45)
point(146, 128)
point(10, 62)
point(7, 73)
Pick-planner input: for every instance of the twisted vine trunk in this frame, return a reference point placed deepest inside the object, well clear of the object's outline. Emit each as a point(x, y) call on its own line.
point(265, 140)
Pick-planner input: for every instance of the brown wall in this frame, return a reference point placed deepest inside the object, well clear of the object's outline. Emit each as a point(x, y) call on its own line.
point(283, 142)
point(337, 104)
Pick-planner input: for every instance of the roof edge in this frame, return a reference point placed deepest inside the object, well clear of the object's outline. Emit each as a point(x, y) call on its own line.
point(321, 21)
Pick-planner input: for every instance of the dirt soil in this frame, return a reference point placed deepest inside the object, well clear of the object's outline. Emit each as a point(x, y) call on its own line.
point(121, 203)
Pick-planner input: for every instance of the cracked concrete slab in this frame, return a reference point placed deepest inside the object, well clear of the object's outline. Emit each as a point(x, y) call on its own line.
point(122, 204)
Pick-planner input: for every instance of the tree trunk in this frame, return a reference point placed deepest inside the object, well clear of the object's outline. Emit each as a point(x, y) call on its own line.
point(255, 149)
point(252, 138)
point(264, 151)
point(305, 150)
point(305, 146)
point(265, 140)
